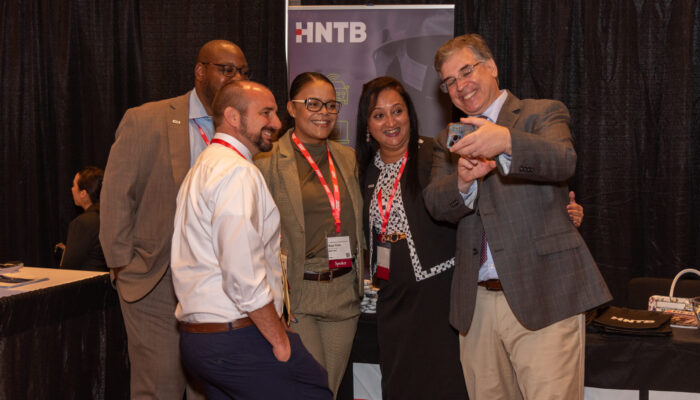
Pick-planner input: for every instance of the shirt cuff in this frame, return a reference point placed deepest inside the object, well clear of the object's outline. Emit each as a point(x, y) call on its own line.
point(470, 196)
point(504, 161)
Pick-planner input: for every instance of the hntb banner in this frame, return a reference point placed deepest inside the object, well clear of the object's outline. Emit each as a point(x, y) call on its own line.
point(355, 44)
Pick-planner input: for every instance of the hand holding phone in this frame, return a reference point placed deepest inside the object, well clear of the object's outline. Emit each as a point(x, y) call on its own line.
point(457, 131)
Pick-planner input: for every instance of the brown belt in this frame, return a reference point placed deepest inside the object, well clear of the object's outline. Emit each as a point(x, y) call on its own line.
point(491, 284)
point(214, 327)
point(391, 237)
point(326, 276)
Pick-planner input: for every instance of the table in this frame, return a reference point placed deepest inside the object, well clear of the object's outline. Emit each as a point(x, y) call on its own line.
point(645, 364)
point(649, 367)
point(62, 338)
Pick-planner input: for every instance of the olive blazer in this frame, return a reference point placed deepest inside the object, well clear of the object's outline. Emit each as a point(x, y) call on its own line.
point(279, 168)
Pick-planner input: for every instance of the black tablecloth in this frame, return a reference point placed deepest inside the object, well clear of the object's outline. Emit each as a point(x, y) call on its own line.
point(64, 342)
point(644, 363)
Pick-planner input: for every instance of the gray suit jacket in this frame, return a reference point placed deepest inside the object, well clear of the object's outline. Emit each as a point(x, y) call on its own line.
point(279, 168)
point(147, 163)
point(545, 268)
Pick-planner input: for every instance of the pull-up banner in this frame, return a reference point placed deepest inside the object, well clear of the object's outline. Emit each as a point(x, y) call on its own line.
point(355, 44)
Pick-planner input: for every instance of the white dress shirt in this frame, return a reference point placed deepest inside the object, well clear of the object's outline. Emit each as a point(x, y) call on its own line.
point(225, 256)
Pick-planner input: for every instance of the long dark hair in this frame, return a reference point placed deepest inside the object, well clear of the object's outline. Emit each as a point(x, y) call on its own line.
point(365, 151)
point(297, 84)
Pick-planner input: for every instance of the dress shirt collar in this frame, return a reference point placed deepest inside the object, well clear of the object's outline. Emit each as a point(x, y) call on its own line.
point(196, 107)
point(495, 108)
point(235, 143)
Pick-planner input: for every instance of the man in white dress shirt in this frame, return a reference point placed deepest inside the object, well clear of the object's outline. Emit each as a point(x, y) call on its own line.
point(226, 263)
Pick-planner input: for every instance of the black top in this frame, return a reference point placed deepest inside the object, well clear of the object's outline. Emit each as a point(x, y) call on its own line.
point(434, 240)
point(83, 249)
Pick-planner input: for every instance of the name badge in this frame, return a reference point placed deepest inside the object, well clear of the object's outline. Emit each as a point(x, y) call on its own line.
point(383, 260)
point(339, 254)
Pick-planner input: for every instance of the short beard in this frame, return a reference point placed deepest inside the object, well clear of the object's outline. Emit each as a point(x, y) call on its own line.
point(258, 141)
point(262, 144)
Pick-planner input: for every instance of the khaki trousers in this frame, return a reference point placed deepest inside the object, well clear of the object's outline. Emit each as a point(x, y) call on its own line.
point(330, 342)
point(501, 359)
point(154, 345)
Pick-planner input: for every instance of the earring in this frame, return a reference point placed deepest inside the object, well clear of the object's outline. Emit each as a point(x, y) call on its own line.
point(368, 136)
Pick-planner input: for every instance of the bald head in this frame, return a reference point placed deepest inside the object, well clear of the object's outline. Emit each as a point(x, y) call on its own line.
point(213, 48)
point(234, 94)
point(219, 61)
point(247, 111)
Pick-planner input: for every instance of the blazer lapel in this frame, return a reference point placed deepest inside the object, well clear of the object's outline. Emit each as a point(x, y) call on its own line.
point(507, 117)
point(179, 137)
point(289, 176)
point(510, 111)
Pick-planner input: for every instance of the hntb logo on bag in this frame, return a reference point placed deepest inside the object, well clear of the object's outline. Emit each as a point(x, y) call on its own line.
point(331, 32)
point(632, 321)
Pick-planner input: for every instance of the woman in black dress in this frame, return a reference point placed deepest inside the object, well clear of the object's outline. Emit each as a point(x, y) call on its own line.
point(411, 254)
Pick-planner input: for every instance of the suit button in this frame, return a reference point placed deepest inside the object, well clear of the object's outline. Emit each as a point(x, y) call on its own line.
point(478, 212)
point(475, 252)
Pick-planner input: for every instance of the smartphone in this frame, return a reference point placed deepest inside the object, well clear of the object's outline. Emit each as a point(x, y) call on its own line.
point(457, 131)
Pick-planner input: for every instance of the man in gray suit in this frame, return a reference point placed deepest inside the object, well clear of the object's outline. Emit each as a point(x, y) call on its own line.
point(155, 146)
point(523, 274)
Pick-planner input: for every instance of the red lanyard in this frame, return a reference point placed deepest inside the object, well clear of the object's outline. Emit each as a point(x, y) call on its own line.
point(229, 145)
point(387, 212)
point(334, 198)
point(201, 132)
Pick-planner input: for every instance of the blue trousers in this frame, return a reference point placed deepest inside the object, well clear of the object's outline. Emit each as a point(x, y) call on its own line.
point(240, 365)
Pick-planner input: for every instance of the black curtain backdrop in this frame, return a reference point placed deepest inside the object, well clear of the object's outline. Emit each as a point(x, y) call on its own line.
point(627, 70)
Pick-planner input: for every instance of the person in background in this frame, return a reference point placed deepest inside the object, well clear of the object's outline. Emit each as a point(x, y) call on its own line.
point(155, 146)
point(411, 254)
point(314, 183)
point(226, 263)
point(83, 249)
point(523, 274)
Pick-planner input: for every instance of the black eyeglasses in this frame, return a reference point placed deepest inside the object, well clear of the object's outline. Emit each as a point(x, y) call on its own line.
point(313, 104)
point(463, 73)
point(230, 70)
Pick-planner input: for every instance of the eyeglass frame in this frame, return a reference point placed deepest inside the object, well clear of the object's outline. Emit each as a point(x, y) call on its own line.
point(244, 71)
point(338, 104)
point(463, 73)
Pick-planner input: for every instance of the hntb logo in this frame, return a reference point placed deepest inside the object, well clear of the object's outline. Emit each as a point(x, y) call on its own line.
point(332, 32)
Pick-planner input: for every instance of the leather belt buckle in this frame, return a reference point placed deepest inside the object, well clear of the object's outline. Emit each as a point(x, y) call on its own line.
point(391, 237)
point(491, 284)
point(324, 276)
